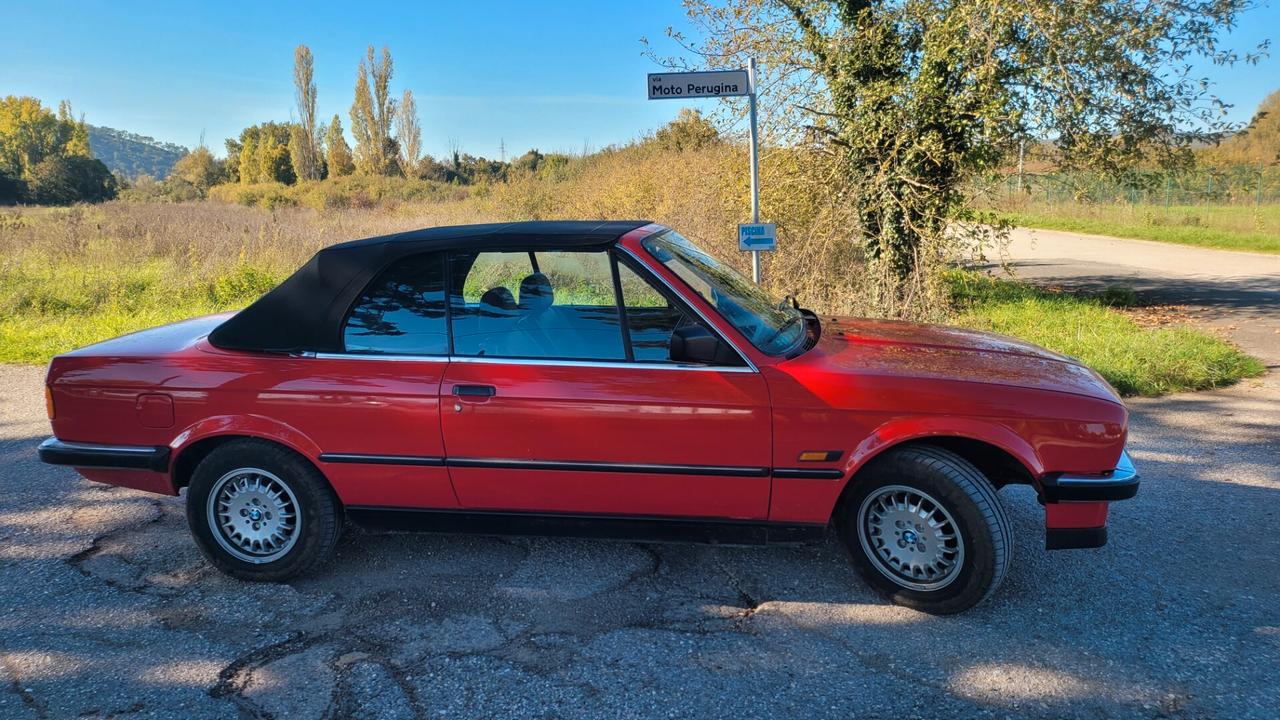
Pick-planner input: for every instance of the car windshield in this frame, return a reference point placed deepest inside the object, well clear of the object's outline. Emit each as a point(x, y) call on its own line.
point(774, 328)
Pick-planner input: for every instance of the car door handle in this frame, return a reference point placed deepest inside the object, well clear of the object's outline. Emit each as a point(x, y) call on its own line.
point(485, 391)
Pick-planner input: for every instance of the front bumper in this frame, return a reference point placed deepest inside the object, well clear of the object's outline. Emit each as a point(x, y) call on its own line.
point(1075, 506)
point(1119, 484)
point(120, 457)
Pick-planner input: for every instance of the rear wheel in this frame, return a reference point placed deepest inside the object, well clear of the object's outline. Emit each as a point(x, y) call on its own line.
point(261, 512)
point(924, 528)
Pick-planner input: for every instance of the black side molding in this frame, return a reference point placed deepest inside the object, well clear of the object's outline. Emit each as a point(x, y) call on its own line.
point(361, 458)
point(121, 457)
point(808, 474)
point(1074, 538)
point(618, 527)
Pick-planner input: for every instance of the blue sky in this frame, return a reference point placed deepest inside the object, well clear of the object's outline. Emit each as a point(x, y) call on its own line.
point(556, 76)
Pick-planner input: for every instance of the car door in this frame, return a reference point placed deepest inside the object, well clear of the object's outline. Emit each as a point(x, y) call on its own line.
point(560, 397)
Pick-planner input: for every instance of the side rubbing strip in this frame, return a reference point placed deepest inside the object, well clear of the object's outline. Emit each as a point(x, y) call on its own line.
point(381, 459)
point(807, 474)
point(726, 470)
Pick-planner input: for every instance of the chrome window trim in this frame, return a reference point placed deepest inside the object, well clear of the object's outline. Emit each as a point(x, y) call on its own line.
point(484, 359)
point(549, 362)
point(692, 306)
point(379, 357)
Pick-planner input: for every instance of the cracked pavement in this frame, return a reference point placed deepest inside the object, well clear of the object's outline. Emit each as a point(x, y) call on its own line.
point(108, 611)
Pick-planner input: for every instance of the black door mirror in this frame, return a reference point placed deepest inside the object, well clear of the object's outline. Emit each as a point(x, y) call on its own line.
point(696, 344)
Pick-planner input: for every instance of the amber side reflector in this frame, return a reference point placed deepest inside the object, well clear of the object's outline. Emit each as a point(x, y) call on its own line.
point(820, 455)
point(48, 401)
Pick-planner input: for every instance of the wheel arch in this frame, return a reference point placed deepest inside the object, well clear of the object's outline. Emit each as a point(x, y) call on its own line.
point(197, 441)
point(997, 452)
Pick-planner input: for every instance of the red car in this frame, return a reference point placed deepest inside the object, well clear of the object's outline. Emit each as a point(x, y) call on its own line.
point(589, 377)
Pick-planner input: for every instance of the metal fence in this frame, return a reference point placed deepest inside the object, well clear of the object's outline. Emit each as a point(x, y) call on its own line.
point(1240, 186)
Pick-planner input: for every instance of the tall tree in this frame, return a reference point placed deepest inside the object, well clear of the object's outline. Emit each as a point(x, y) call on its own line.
point(371, 116)
point(917, 97)
point(408, 134)
point(338, 153)
point(304, 139)
point(75, 133)
point(30, 133)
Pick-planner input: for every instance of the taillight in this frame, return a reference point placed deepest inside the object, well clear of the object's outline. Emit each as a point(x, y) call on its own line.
point(48, 401)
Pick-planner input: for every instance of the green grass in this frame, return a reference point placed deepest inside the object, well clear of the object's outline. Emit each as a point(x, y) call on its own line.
point(1134, 359)
point(1228, 227)
point(50, 309)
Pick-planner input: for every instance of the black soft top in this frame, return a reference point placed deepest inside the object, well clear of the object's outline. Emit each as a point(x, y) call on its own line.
point(305, 312)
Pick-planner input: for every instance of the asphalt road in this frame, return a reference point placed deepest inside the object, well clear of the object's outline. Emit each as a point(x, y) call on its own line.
point(1237, 293)
point(107, 610)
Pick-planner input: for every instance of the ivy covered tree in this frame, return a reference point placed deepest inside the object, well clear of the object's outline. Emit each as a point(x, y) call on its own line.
point(917, 97)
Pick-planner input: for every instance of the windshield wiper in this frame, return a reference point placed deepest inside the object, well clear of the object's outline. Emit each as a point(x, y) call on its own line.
point(783, 327)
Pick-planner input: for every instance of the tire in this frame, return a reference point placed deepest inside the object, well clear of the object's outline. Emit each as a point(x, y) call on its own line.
point(298, 517)
point(905, 553)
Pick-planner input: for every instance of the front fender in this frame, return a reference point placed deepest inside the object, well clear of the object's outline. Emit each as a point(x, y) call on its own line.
point(813, 501)
point(901, 430)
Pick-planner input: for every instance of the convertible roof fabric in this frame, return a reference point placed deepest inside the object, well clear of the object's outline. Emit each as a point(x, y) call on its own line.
point(305, 312)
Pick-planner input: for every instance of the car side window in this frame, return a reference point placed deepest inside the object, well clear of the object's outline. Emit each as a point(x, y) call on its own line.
point(402, 312)
point(651, 318)
point(535, 305)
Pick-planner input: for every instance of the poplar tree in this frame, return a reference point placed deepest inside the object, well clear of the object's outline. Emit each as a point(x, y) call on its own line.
point(372, 114)
point(338, 153)
point(303, 137)
point(408, 134)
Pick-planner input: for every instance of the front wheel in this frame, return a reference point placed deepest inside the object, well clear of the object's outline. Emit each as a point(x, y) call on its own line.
point(258, 511)
point(924, 528)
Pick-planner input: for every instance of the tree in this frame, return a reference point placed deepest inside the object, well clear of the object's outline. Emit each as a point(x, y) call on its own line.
point(198, 168)
point(371, 116)
point(408, 134)
point(263, 154)
point(29, 133)
point(689, 131)
point(338, 153)
point(917, 97)
point(68, 179)
point(74, 133)
point(304, 138)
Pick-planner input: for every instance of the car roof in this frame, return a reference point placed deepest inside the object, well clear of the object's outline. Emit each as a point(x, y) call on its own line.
point(305, 312)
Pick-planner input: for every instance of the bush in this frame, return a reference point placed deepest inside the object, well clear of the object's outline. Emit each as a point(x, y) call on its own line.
point(71, 179)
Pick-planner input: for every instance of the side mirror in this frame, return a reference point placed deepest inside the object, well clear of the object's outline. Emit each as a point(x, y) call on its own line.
point(696, 344)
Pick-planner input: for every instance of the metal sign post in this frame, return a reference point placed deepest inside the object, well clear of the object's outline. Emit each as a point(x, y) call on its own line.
point(755, 167)
point(726, 83)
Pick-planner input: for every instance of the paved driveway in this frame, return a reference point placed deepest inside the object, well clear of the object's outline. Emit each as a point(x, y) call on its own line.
point(106, 609)
point(1236, 292)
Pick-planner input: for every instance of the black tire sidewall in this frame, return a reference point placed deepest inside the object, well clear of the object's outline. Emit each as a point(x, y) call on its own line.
point(317, 505)
point(977, 573)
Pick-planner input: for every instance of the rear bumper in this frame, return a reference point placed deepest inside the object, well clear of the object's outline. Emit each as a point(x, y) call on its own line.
point(1119, 484)
point(119, 457)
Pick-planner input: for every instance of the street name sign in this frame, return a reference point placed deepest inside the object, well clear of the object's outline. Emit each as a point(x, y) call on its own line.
point(758, 236)
point(718, 83)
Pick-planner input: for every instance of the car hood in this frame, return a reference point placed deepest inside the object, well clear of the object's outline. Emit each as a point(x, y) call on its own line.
point(890, 347)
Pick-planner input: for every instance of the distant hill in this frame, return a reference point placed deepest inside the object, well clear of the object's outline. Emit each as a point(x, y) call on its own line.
point(133, 155)
point(1257, 144)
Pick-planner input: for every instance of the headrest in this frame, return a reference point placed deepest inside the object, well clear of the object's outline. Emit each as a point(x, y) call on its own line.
point(535, 293)
point(499, 298)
